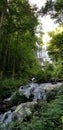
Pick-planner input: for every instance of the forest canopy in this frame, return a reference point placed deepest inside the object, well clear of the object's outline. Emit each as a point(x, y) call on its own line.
point(18, 24)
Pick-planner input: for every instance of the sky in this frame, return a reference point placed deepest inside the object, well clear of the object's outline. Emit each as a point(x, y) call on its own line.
point(39, 3)
point(47, 22)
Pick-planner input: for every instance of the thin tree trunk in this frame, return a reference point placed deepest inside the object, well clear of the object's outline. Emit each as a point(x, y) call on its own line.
point(14, 62)
point(13, 72)
point(4, 63)
point(3, 16)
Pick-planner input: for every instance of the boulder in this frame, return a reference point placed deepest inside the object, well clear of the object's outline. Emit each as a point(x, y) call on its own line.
point(23, 110)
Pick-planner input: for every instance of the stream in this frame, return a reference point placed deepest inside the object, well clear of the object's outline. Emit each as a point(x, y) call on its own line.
point(38, 91)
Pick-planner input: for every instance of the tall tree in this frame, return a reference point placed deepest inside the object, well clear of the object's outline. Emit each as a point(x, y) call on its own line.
point(3, 13)
point(18, 39)
point(55, 45)
point(55, 50)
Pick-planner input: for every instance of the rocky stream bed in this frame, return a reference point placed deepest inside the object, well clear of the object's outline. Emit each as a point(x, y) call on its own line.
point(22, 110)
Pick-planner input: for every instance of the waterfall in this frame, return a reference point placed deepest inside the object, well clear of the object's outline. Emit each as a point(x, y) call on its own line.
point(42, 55)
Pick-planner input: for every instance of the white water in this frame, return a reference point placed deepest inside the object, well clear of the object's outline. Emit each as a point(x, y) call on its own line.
point(38, 91)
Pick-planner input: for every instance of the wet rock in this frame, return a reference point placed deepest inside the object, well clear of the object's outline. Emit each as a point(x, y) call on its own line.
point(36, 90)
point(23, 110)
point(35, 113)
point(13, 108)
point(7, 100)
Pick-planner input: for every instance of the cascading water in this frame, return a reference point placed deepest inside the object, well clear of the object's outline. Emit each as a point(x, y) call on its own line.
point(42, 55)
point(6, 117)
point(38, 91)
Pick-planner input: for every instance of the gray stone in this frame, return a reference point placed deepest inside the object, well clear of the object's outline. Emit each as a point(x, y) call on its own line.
point(23, 110)
point(13, 108)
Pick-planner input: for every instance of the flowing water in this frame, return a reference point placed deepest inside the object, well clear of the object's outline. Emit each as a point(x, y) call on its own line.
point(38, 91)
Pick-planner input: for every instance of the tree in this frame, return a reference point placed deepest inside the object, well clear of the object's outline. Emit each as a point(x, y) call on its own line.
point(55, 45)
point(54, 9)
point(18, 40)
point(55, 50)
point(3, 13)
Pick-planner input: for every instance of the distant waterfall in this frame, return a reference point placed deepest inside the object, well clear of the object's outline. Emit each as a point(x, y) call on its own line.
point(42, 54)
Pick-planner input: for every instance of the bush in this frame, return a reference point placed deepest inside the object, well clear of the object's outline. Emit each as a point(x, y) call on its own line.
point(41, 76)
point(8, 86)
point(51, 95)
point(18, 98)
point(45, 74)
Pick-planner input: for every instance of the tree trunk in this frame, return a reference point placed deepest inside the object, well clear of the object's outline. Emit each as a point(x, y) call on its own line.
point(4, 63)
point(13, 72)
point(3, 16)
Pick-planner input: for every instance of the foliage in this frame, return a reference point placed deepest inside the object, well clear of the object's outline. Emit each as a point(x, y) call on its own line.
point(17, 43)
point(55, 45)
point(54, 9)
point(17, 98)
point(55, 51)
point(46, 73)
point(9, 86)
point(41, 77)
point(51, 94)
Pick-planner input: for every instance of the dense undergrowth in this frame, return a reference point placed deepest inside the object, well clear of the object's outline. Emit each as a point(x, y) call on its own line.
point(9, 86)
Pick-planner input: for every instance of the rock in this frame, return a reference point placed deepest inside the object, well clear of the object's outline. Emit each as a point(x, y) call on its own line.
point(13, 108)
point(23, 110)
point(10, 98)
point(35, 113)
point(7, 100)
point(33, 89)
